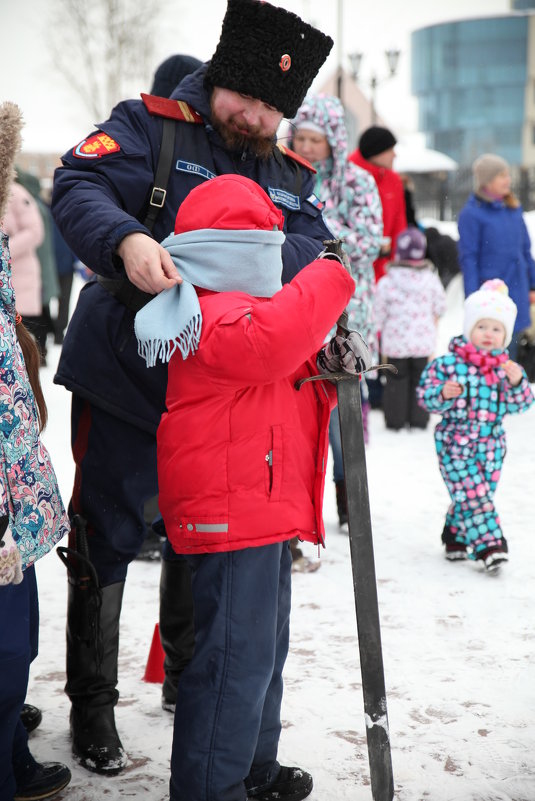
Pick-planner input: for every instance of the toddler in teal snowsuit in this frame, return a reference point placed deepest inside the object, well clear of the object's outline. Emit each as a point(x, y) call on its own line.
point(473, 387)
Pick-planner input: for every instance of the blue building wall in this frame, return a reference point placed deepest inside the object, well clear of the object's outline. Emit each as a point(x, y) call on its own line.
point(469, 77)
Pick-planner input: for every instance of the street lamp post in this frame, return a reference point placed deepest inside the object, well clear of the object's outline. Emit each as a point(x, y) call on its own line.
point(392, 57)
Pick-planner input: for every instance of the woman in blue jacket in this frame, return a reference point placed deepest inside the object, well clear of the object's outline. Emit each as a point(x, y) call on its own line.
point(494, 241)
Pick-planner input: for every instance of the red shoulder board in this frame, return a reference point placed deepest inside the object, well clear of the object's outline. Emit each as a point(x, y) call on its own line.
point(173, 109)
point(291, 155)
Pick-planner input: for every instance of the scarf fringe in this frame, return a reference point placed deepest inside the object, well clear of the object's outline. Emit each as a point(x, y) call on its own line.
point(187, 342)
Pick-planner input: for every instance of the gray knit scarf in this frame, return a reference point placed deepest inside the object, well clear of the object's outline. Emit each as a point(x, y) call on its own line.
point(219, 260)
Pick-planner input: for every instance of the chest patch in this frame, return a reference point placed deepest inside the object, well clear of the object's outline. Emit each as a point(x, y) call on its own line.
point(95, 147)
point(284, 198)
point(196, 169)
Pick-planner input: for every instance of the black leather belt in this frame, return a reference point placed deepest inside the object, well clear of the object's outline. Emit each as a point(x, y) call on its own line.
point(125, 292)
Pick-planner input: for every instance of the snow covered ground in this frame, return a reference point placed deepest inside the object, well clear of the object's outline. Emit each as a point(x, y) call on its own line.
point(459, 645)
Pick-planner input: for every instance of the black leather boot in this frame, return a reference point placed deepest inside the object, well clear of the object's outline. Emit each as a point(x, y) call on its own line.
point(92, 651)
point(176, 625)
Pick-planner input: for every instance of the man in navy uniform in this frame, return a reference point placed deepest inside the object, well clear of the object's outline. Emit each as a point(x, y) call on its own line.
point(113, 211)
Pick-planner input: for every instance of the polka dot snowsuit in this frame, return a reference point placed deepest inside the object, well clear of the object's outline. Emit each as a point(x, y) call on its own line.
point(470, 444)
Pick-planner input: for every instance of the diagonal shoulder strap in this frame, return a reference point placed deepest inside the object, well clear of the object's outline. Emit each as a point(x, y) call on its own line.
point(163, 169)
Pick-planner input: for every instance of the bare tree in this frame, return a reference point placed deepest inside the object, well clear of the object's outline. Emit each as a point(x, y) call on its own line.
point(104, 48)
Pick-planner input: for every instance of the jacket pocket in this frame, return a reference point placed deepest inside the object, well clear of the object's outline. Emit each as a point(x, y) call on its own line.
point(274, 467)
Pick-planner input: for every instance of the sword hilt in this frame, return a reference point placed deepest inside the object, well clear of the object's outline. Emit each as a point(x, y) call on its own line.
point(344, 376)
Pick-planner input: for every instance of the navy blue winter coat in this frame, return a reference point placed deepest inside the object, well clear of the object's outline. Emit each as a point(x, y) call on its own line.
point(98, 201)
point(494, 243)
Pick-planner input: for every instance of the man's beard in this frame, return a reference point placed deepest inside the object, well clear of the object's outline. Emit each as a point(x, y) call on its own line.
point(260, 146)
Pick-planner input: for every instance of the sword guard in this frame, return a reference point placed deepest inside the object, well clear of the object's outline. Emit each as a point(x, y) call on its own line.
point(344, 376)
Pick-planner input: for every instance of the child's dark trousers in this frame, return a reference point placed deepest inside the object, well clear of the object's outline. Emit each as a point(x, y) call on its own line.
point(227, 720)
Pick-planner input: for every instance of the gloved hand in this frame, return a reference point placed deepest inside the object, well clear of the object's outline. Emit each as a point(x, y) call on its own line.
point(342, 258)
point(348, 354)
point(10, 560)
point(326, 254)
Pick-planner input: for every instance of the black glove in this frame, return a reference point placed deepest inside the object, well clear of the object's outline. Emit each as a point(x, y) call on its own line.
point(349, 354)
point(342, 259)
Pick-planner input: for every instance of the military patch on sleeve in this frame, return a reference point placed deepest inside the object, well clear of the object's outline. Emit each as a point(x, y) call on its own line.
point(96, 146)
point(315, 201)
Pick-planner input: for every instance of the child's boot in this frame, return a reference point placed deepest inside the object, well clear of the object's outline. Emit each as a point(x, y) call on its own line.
point(494, 559)
point(454, 550)
point(292, 784)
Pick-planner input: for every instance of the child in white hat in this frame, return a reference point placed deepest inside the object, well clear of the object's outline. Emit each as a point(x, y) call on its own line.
point(473, 387)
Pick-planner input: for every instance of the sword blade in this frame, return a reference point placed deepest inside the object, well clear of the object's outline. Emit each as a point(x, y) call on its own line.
point(365, 589)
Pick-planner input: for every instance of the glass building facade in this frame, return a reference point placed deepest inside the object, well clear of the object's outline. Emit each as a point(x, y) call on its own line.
point(471, 78)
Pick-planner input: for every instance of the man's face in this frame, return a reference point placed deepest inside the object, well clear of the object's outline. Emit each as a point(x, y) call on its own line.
point(384, 159)
point(244, 122)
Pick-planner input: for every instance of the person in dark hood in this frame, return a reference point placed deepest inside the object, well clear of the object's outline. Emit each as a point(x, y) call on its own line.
point(442, 251)
point(176, 609)
point(113, 212)
point(171, 72)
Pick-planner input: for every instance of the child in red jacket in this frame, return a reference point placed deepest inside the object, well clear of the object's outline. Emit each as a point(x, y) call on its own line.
point(241, 456)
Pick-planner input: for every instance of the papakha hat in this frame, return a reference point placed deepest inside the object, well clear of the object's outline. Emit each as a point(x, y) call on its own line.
point(268, 53)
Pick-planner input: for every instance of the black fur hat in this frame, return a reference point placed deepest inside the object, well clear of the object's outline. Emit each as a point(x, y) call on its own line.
point(268, 53)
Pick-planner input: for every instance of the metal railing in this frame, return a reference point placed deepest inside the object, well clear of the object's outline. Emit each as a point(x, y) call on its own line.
point(442, 196)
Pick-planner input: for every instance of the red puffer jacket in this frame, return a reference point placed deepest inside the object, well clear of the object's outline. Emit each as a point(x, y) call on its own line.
point(241, 452)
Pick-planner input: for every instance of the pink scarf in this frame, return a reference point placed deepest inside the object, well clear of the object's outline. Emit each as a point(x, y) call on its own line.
point(483, 359)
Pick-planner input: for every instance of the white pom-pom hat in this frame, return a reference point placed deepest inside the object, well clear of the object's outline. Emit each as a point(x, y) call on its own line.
point(490, 302)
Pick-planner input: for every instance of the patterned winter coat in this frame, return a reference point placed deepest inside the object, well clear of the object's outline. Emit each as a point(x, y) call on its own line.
point(352, 207)
point(408, 301)
point(478, 413)
point(29, 491)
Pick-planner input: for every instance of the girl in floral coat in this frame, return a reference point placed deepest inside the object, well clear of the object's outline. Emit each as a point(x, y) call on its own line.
point(352, 210)
point(473, 387)
point(32, 517)
point(351, 204)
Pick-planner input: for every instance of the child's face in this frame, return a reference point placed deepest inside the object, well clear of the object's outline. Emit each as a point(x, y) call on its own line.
point(488, 334)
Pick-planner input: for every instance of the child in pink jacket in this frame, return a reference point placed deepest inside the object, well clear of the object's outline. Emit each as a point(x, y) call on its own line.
point(408, 303)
